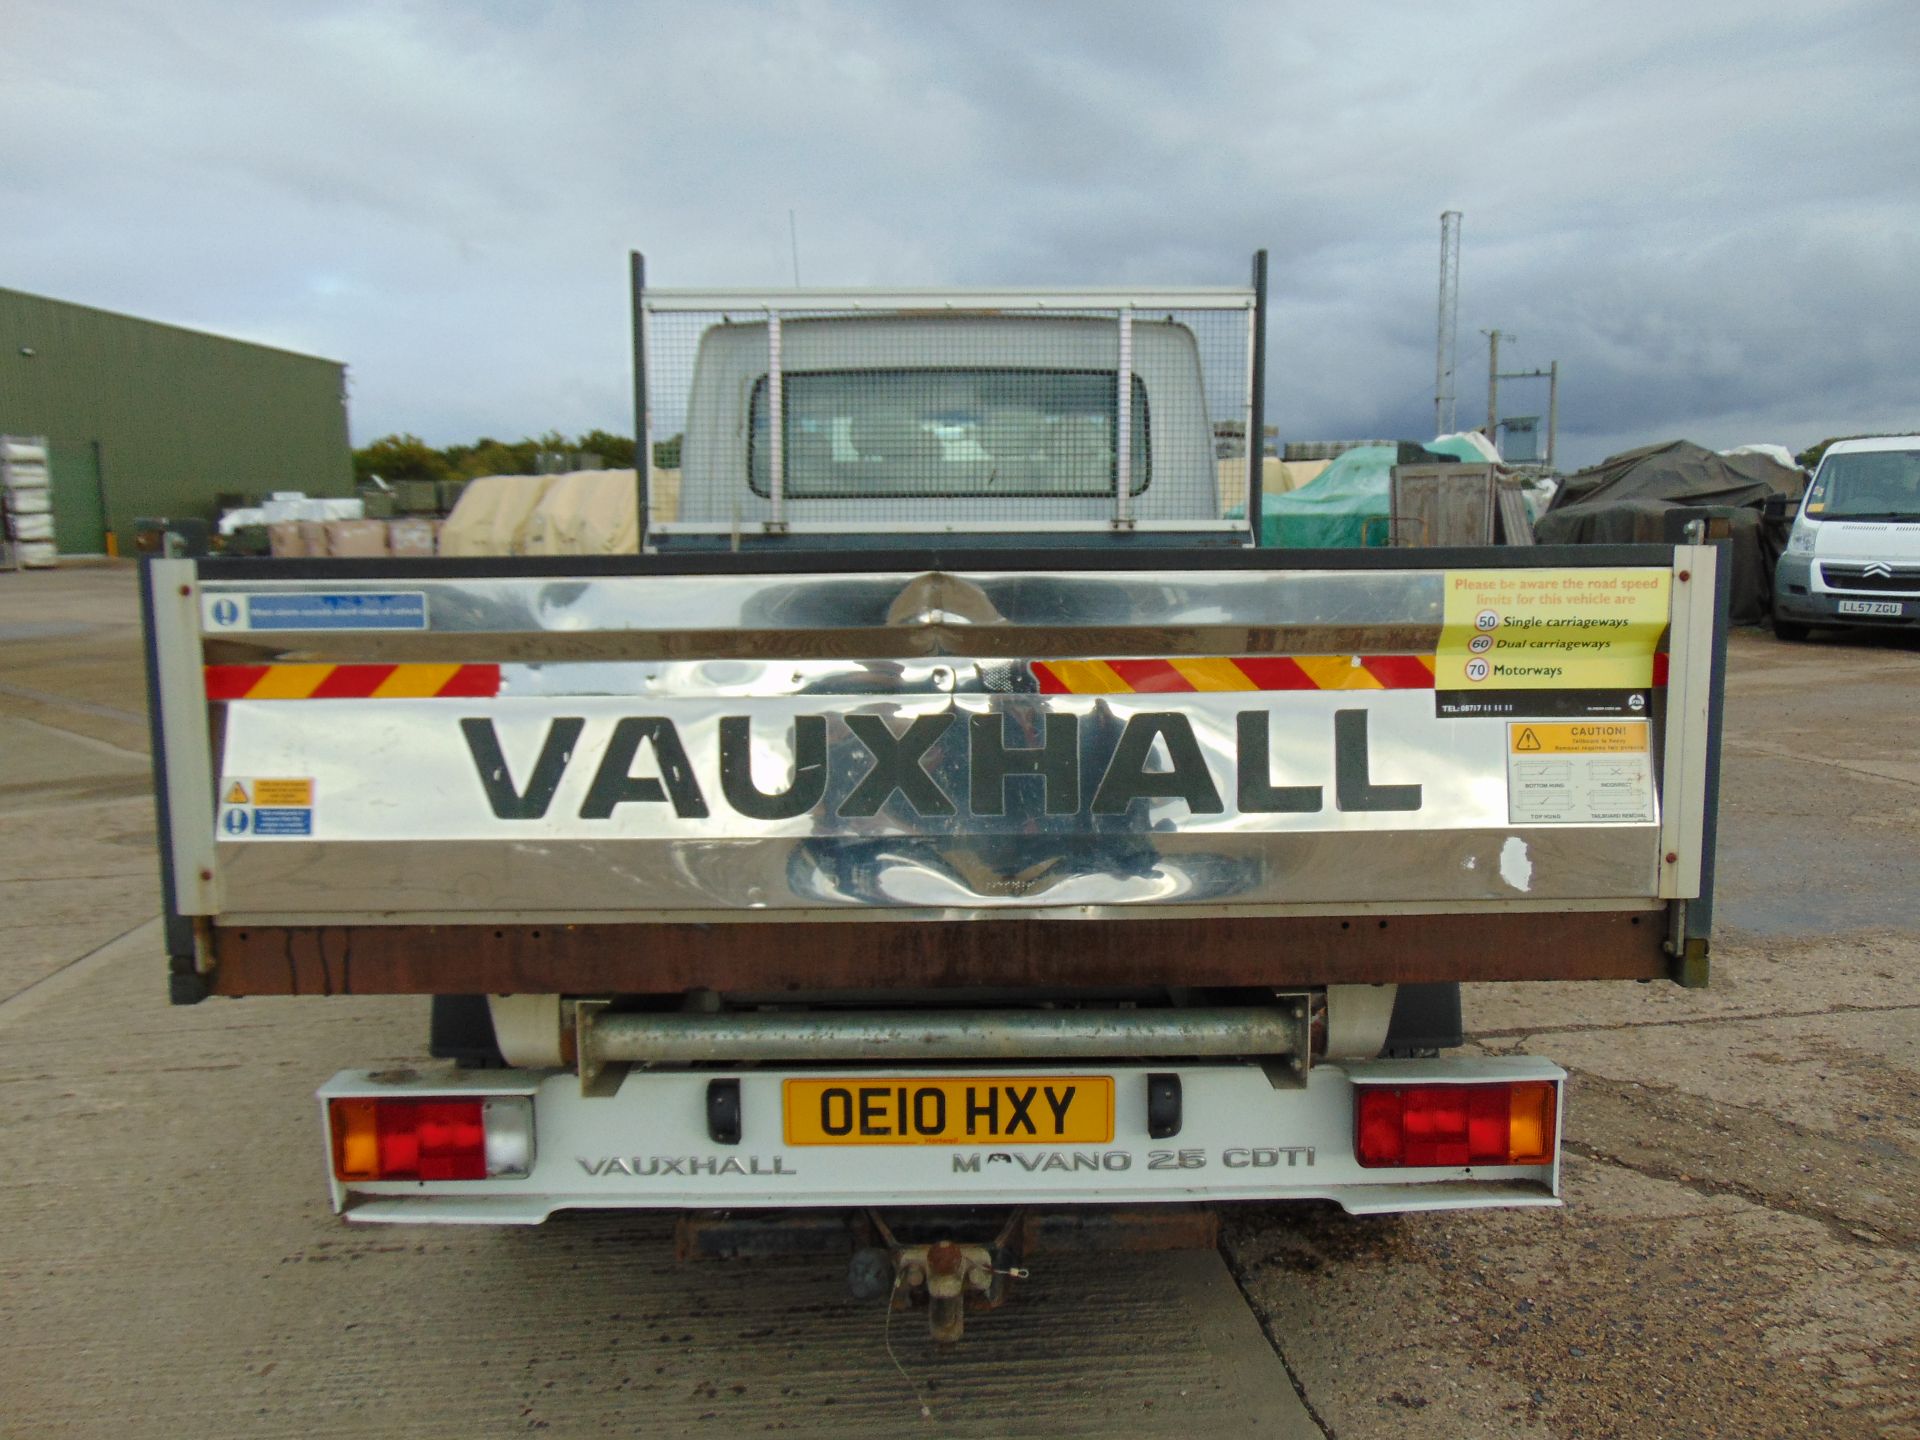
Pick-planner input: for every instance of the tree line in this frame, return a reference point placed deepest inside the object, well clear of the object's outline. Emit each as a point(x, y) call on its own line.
point(408, 457)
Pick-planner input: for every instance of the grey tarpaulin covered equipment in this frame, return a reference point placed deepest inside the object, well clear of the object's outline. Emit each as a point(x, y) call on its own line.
point(1625, 497)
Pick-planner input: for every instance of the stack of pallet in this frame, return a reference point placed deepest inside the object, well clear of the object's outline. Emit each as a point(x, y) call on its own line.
point(349, 539)
point(27, 500)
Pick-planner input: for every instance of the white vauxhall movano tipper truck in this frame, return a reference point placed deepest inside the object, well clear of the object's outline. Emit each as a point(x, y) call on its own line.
point(953, 820)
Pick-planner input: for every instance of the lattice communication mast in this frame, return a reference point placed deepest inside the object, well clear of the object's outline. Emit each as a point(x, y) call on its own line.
point(1449, 325)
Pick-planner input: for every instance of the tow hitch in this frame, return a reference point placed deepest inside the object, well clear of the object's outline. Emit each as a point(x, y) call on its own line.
point(970, 1266)
point(953, 1277)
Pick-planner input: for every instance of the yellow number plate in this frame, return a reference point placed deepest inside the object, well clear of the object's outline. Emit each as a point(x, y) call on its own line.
point(987, 1110)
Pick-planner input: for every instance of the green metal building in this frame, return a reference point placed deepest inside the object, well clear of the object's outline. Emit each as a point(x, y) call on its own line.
point(148, 419)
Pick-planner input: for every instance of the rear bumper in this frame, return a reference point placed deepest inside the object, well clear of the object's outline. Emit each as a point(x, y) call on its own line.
point(1241, 1137)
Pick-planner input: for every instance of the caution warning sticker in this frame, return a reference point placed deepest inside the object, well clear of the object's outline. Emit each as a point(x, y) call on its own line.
point(266, 808)
point(1563, 773)
point(298, 793)
point(1598, 737)
point(1583, 630)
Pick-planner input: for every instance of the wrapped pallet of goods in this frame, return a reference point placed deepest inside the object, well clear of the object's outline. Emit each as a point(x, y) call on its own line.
point(412, 537)
point(356, 539)
point(493, 515)
point(301, 526)
point(26, 516)
point(32, 527)
point(588, 512)
point(286, 505)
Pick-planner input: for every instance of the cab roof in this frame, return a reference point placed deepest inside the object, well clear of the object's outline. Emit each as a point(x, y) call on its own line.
point(1874, 442)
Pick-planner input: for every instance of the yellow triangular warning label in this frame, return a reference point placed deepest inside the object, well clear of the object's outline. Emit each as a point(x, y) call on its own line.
point(237, 795)
point(1527, 741)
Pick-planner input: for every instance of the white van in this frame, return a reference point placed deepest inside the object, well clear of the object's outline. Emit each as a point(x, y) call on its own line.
point(1854, 555)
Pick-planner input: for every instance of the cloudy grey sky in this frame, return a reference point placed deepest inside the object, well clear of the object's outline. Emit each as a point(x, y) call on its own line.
point(1708, 212)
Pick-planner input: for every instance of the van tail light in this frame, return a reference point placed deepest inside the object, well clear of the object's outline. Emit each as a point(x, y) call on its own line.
point(1399, 1126)
point(435, 1139)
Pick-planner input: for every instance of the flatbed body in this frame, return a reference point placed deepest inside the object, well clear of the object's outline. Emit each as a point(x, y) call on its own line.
point(1094, 855)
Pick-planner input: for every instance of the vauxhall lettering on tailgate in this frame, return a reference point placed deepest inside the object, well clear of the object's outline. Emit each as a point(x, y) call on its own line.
point(855, 766)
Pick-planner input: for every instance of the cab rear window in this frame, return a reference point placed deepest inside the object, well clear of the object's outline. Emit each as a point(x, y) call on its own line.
point(948, 433)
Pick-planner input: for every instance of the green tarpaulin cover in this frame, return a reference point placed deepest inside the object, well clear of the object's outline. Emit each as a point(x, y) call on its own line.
point(1345, 506)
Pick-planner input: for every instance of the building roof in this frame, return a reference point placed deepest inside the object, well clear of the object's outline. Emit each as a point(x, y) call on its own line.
point(164, 325)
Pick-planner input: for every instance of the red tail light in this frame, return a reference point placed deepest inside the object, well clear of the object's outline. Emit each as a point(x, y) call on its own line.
point(437, 1139)
point(1510, 1123)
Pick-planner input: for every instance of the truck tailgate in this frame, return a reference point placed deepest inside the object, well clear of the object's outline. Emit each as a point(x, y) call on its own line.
point(528, 775)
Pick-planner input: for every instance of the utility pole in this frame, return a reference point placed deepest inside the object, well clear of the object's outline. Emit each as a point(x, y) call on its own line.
point(1493, 385)
point(1553, 408)
point(1445, 348)
point(1495, 375)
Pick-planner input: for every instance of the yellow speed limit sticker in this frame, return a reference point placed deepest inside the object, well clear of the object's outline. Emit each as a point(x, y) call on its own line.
point(1551, 629)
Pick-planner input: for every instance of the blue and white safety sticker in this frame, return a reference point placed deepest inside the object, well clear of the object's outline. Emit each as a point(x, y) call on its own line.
point(266, 808)
point(272, 820)
point(315, 610)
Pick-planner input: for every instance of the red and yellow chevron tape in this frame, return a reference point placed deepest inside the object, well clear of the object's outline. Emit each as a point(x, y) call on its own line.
point(1055, 677)
point(1246, 672)
point(351, 682)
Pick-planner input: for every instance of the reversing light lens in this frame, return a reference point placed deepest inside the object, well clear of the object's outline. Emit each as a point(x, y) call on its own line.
point(508, 1121)
point(1452, 1126)
point(431, 1139)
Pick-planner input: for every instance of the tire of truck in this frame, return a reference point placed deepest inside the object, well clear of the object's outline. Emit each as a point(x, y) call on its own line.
point(460, 1029)
point(1790, 630)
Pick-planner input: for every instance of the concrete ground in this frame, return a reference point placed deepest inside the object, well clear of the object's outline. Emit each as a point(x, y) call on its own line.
point(1737, 1256)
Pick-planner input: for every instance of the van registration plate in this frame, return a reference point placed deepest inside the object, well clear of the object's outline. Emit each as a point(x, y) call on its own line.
point(957, 1110)
point(1890, 609)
